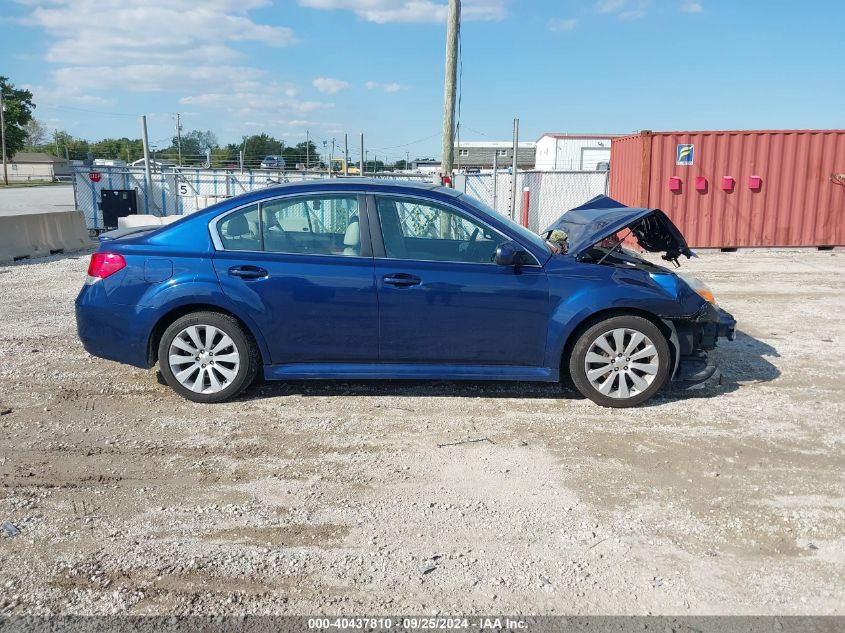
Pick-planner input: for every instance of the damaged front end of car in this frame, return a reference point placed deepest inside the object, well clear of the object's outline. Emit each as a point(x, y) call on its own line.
point(595, 233)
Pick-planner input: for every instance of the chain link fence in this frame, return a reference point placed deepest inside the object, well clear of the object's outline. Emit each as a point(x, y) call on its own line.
point(183, 190)
point(550, 193)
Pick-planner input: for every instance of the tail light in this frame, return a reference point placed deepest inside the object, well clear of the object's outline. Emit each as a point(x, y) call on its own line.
point(103, 265)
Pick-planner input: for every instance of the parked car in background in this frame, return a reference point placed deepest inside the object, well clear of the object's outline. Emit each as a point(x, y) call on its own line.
point(273, 162)
point(377, 279)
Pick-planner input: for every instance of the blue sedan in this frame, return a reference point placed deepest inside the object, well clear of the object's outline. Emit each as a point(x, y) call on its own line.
point(361, 279)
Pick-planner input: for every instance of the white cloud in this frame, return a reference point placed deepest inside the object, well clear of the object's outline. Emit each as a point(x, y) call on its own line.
point(329, 85)
point(272, 103)
point(93, 31)
point(183, 46)
point(692, 7)
point(387, 87)
point(382, 11)
point(562, 24)
point(624, 9)
point(610, 6)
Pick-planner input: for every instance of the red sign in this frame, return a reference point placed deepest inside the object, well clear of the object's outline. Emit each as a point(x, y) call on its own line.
point(95, 176)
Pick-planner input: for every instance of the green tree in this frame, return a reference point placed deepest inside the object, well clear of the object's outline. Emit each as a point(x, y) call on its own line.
point(36, 135)
point(18, 112)
point(194, 146)
point(301, 153)
point(258, 146)
point(225, 156)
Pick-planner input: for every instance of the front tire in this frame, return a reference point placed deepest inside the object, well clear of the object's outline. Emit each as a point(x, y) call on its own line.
point(207, 357)
point(620, 362)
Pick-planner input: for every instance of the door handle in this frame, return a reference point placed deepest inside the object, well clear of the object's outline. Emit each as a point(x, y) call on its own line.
point(248, 272)
point(401, 280)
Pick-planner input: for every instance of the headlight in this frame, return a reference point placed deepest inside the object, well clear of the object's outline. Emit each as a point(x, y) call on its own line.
point(699, 287)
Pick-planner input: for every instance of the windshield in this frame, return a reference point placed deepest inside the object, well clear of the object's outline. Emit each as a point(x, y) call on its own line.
point(523, 233)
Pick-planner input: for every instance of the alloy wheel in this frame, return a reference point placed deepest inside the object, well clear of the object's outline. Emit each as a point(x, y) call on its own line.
point(203, 358)
point(621, 363)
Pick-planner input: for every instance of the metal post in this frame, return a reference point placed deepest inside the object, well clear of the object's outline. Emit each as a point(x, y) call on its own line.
point(146, 142)
point(513, 174)
point(3, 134)
point(179, 136)
point(495, 169)
point(450, 87)
point(526, 204)
point(331, 159)
point(345, 154)
point(407, 161)
point(241, 160)
point(307, 149)
point(361, 160)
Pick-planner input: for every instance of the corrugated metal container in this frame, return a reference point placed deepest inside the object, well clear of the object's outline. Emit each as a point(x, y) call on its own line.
point(738, 188)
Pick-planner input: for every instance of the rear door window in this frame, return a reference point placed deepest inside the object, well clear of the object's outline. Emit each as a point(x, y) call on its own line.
point(318, 225)
point(239, 231)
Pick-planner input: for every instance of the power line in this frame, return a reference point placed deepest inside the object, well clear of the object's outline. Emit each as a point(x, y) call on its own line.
point(55, 107)
point(427, 138)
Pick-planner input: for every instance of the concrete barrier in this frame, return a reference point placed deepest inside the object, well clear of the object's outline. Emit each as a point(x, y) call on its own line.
point(132, 221)
point(42, 234)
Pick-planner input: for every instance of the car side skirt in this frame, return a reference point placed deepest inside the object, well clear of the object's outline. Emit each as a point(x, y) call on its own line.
point(400, 371)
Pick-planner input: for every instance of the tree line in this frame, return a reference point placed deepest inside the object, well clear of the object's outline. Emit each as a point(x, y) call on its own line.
point(24, 132)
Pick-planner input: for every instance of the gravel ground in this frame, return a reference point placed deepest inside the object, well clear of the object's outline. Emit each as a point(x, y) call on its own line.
point(336, 497)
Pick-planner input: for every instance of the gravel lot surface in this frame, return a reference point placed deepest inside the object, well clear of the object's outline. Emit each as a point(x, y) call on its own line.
point(337, 498)
point(43, 199)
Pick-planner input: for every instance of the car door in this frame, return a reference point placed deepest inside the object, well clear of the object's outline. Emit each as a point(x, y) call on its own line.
point(442, 299)
point(301, 267)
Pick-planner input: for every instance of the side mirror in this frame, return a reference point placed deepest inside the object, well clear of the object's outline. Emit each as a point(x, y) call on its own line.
point(510, 254)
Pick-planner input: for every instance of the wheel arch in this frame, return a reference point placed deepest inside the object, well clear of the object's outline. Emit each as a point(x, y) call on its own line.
point(667, 329)
point(179, 311)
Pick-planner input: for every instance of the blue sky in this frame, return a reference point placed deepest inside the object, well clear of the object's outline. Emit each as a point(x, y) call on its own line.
point(283, 66)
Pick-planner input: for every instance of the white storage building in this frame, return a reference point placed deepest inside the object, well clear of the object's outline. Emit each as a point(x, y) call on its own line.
point(573, 152)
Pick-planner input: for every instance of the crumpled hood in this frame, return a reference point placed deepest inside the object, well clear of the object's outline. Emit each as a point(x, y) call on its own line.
point(603, 217)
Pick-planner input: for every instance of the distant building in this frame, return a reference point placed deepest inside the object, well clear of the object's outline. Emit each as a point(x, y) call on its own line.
point(37, 166)
point(426, 165)
point(481, 154)
point(574, 152)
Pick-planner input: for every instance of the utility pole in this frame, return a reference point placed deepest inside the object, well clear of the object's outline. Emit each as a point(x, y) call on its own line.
point(366, 159)
point(495, 169)
point(345, 154)
point(3, 134)
point(513, 174)
point(407, 161)
point(331, 159)
point(179, 136)
point(146, 142)
point(361, 164)
point(453, 27)
point(307, 149)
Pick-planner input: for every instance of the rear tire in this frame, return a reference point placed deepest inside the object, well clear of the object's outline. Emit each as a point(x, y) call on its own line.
point(207, 357)
point(620, 362)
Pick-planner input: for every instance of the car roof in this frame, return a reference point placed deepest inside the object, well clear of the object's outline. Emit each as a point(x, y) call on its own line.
point(327, 184)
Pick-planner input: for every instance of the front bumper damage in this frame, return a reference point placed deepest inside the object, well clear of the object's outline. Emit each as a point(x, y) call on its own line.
point(693, 338)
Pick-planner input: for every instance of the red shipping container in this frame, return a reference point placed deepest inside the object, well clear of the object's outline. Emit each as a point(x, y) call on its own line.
point(799, 200)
